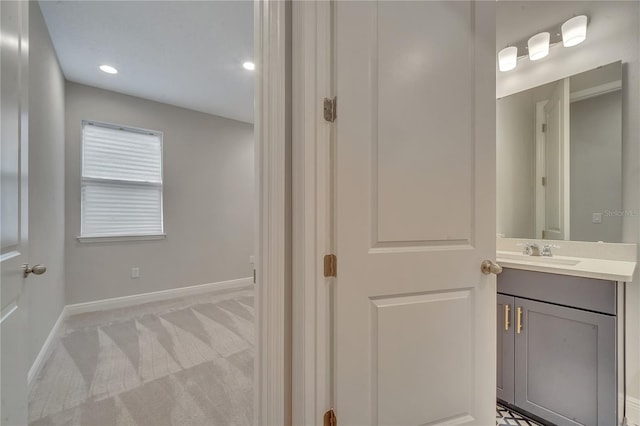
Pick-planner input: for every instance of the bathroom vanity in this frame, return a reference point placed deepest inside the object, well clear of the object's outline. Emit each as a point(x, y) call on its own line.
point(560, 332)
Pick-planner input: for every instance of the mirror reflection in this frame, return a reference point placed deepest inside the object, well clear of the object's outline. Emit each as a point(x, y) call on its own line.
point(559, 159)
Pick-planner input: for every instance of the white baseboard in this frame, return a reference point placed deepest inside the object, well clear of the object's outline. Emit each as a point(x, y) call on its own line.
point(45, 350)
point(121, 302)
point(633, 411)
point(156, 296)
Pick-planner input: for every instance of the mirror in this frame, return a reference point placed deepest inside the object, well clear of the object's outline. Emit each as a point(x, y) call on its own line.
point(559, 159)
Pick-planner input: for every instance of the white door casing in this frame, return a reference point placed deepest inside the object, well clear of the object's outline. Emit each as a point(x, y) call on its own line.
point(556, 163)
point(414, 318)
point(14, 217)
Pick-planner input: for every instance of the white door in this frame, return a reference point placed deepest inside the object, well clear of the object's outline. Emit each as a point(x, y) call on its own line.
point(414, 318)
point(556, 160)
point(13, 199)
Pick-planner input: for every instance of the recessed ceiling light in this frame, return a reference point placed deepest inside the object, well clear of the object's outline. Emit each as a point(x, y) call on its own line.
point(249, 66)
point(108, 69)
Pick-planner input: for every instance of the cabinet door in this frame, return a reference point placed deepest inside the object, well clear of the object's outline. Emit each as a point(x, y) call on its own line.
point(565, 364)
point(505, 352)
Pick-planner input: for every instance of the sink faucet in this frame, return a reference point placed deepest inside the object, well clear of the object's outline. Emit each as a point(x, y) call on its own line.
point(531, 249)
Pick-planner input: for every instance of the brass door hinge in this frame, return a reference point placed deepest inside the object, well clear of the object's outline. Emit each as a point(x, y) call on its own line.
point(544, 127)
point(330, 112)
point(330, 265)
point(544, 181)
point(330, 418)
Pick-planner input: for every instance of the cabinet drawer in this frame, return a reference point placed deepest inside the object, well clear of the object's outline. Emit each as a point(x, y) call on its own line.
point(583, 293)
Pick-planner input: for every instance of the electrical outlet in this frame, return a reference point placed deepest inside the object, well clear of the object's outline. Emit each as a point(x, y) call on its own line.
point(596, 218)
point(135, 272)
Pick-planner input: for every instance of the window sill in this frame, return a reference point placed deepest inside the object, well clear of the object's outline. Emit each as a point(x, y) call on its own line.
point(119, 238)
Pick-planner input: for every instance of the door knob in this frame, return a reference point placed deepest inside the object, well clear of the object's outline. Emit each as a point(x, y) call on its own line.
point(35, 269)
point(488, 267)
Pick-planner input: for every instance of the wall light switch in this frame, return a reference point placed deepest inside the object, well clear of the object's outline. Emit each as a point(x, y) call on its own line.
point(252, 259)
point(135, 272)
point(596, 218)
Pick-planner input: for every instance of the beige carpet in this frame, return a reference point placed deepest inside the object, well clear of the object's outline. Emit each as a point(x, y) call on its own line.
point(186, 361)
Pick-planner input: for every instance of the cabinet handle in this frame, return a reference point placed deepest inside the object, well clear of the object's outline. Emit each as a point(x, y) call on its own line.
point(519, 320)
point(507, 324)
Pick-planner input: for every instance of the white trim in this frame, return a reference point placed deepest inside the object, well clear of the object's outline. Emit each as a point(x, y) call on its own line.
point(137, 299)
point(592, 92)
point(46, 349)
point(311, 74)
point(119, 238)
point(633, 411)
point(273, 250)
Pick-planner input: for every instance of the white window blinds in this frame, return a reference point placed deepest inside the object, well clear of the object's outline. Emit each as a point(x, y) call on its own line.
point(121, 181)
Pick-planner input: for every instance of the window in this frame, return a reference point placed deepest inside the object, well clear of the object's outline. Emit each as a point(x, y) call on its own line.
point(121, 181)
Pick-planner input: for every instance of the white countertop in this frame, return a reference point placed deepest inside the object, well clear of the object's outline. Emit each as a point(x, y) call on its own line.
point(587, 267)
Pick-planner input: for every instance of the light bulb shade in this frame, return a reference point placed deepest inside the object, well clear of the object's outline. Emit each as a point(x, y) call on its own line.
point(507, 58)
point(574, 31)
point(539, 46)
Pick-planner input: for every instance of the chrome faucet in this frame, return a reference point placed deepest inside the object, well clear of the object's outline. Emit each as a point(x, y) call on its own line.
point(531, 249)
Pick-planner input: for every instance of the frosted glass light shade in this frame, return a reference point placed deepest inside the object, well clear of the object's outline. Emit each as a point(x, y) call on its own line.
point(538, 46)
point(574, 31)
point(507, 58)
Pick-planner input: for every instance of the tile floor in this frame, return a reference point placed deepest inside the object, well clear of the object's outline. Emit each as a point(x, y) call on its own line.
point(504, 416)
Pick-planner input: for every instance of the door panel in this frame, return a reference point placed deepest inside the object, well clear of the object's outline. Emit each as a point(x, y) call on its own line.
point(414, 144)
point(414, 318)
point(14, 219)
point(399, 350)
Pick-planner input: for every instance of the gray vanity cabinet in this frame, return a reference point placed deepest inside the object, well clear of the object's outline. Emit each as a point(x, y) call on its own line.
point(555, 361)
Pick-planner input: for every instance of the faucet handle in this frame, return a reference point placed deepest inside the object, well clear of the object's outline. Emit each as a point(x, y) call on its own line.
point(546, 249)
point(531, 249)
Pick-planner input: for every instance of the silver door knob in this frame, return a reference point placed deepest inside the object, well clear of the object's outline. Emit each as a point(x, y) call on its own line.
point(488, 267)
point(35, 269)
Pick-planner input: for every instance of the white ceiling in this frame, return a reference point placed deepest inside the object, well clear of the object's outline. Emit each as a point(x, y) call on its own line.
point(184, 53)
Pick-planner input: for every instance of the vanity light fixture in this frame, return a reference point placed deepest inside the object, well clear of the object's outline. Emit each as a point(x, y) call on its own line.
point(508, 58)
point(570, 33)
point(108, 69)
point(574, 31)
point(539, 46)
point(249, 66)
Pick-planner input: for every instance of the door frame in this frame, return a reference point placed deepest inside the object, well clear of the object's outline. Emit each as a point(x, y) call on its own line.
point(312, 210)
point(272, 372)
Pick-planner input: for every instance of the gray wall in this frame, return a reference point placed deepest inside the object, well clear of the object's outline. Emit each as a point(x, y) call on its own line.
point(596, 168)
point(613, 35)
point(208, 200)
point(46, 293)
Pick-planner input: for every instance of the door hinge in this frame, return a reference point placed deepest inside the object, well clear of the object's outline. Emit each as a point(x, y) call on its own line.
point(544, 127)
point(330, 418)
point(544, 234)
point(330, 112)
point(254, 276)
point(544, 181)
point(330, 265)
